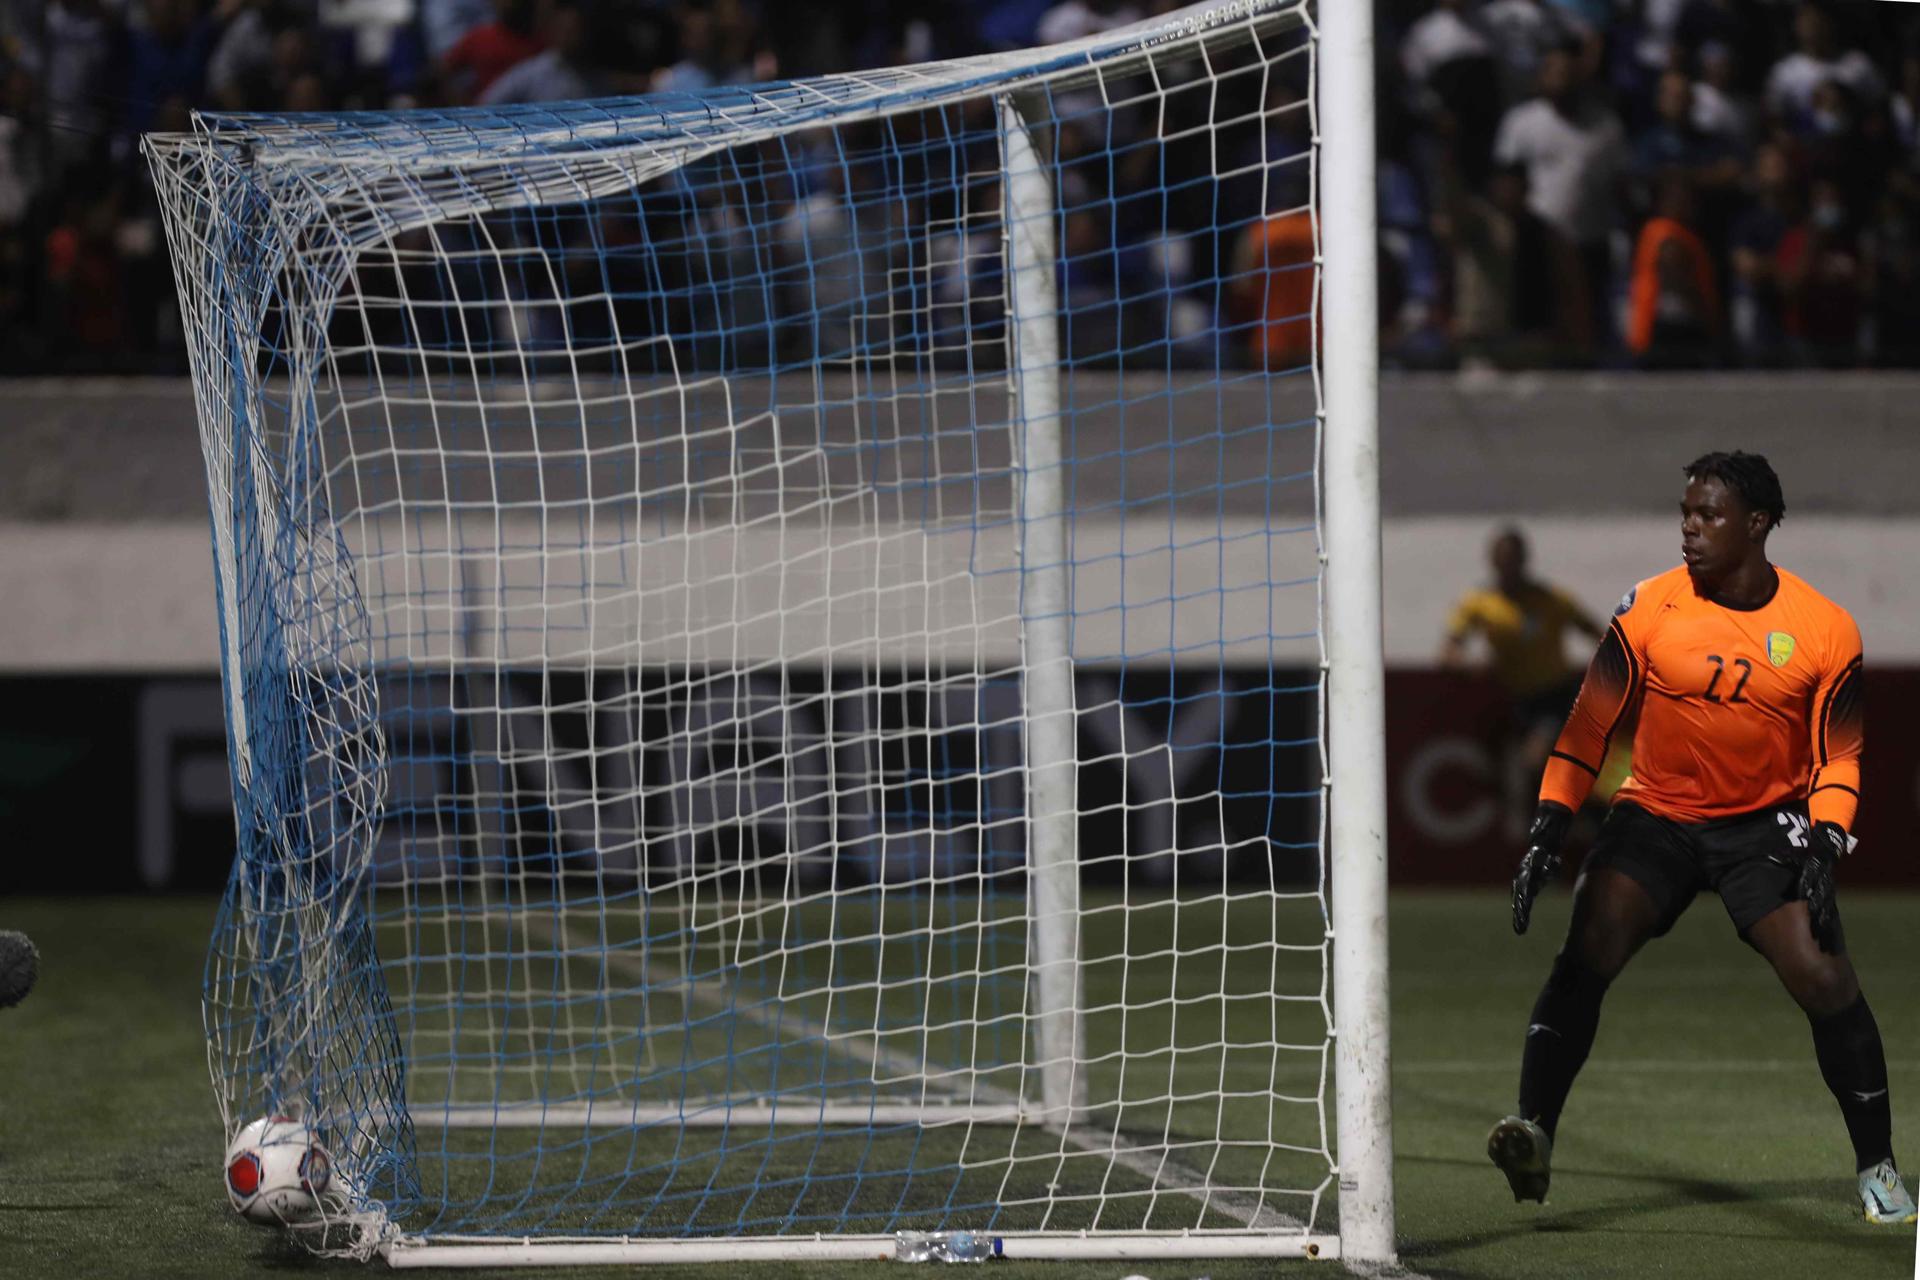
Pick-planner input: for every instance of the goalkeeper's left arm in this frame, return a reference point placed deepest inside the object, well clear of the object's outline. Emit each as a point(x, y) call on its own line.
point(1833, 798)
point(1834, 794)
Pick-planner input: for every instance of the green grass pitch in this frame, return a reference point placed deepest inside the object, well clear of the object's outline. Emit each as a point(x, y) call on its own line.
point(1700, 1142)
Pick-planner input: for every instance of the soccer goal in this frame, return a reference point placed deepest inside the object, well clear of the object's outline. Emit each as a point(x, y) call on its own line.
point(779, 646)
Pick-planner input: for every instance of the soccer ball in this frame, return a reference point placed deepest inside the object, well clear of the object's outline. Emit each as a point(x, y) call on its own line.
point(276, 1172)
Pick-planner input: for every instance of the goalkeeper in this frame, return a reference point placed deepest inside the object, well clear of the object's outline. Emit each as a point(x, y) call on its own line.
point(1746, 777)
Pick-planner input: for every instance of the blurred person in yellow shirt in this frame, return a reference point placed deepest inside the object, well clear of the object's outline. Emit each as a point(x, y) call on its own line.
point(1523, 623)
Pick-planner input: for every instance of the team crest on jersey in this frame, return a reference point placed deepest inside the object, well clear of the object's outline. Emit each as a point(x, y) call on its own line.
point(1779, 647)
point(1626, 601)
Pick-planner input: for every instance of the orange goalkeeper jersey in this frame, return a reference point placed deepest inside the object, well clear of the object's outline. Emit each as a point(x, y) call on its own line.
point(1737, 709)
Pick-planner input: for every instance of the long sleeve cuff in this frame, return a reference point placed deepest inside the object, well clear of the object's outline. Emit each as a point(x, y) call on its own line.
point(1836, 794)
point(1566, 781)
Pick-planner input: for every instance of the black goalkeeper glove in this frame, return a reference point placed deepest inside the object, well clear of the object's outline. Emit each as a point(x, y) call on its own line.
point(1816, 882)
point(1542, 860)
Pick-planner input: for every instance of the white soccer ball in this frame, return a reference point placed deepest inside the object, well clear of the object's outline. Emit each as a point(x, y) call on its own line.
point(276, 1172)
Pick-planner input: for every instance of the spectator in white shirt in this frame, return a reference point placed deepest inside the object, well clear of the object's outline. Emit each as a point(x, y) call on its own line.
point(1076, 18)
point(1796, 78)
point(1720, 109)
point(1574, 149)
point(74, 66)
point(19, 159)
point(1522, 31)
point(1450, 66)
point(1576, 157)
point(1443, 35)
point(1905, 110)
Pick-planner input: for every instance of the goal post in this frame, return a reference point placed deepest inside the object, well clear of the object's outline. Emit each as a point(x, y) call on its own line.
point(1033, 343)
point(802, 660)
point(1356, 662)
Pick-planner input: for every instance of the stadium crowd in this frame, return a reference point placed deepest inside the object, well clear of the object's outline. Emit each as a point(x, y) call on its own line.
point(1583, 183)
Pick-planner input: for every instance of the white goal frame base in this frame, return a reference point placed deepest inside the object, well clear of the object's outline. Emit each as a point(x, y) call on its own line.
point(456, 1251)
point(794, 1111)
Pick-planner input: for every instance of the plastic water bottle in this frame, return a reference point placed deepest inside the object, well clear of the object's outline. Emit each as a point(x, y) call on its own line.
point(944, 1246)
point(965, 1246)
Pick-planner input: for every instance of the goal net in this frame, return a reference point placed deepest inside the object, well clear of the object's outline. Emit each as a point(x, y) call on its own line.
point(773, 657)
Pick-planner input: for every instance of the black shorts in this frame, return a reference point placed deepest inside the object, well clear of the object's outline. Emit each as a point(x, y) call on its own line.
point(1752, 860)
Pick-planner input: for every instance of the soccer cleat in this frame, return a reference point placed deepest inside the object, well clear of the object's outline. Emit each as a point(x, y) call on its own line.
point(1524, 1153)
point(1883, 1197)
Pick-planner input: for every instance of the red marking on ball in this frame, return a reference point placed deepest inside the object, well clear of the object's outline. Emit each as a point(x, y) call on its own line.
point(243, 1175)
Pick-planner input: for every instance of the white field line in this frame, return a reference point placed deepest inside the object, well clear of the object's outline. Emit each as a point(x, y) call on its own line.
point(1251, 1212)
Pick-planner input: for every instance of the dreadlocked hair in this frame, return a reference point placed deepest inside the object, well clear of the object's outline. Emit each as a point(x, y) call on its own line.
point(1748, 474)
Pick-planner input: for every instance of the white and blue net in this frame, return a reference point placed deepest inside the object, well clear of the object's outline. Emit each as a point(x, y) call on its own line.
point(624, 515)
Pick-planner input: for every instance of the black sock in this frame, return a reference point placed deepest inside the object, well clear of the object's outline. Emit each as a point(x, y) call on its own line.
point(1558, 1038)
point(1855, 1067)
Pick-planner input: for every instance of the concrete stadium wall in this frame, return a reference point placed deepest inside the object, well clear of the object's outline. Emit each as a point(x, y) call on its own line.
point(104, 543)
point(109, 653)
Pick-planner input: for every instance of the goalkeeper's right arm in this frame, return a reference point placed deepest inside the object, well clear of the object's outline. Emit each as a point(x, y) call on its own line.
point(1606, 697)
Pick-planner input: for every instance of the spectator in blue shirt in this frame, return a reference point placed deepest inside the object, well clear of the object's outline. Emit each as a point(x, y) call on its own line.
point(1754, 242)
point(166, 58)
